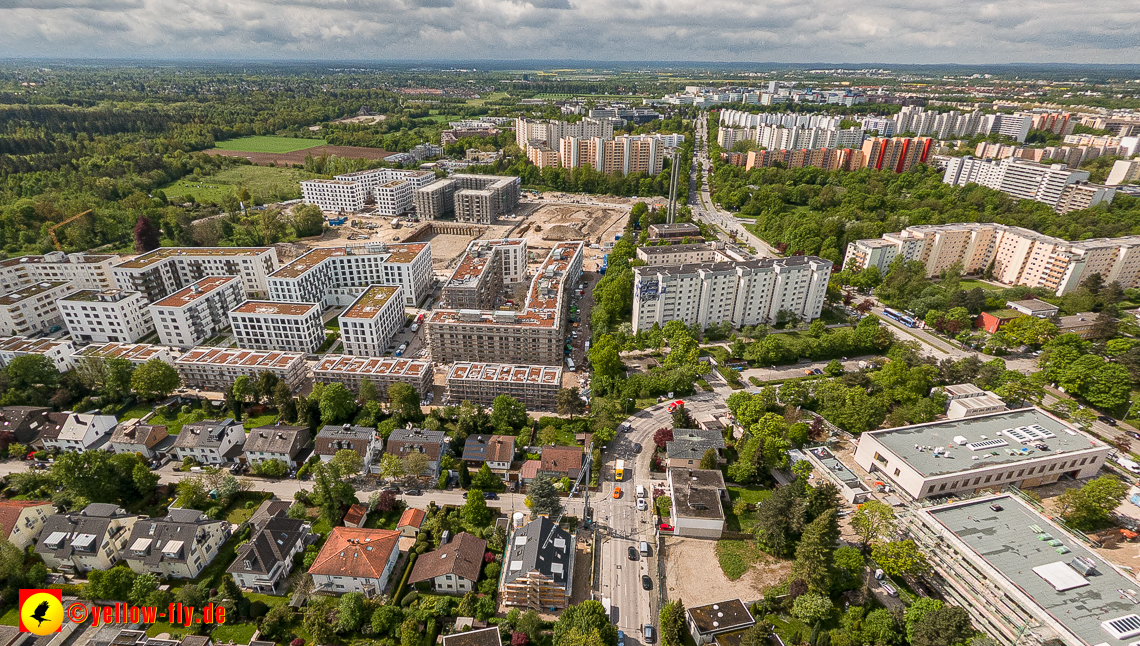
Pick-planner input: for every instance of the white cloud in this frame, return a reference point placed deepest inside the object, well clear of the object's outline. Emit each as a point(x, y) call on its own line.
point(898, 31)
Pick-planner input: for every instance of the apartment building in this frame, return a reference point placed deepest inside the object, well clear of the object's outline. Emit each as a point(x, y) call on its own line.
point(543, 156)
point(92, 539)
point(61, 352)
point(1011, 441)
point(215, 369)
point(1029, 181)
point(478, 199)
point(136, 353)
point(530, 132)
point(369, 324)
point(1124, 171)
point(278, 325)
point(282, 443)
point(356, 560)
point(83, 432)
point(107, 316)
point(432, 444)
point(480, 383)
point(533, 335)
point(872, 252)
point(195, 313)
point(266, 560)
point(899, 154)
point(626, 154)
point(538, 571)
point(366, 442)
point(337, 276)
point(825, 158)
point(177, 546)
point(778, 137)
point(389, 190)
point(32, 308)
point(679, 254)
point(743, 293)
point(86, 271)
point(382, 372)
point(164, 271)
point(727, 137)
point(479, 277)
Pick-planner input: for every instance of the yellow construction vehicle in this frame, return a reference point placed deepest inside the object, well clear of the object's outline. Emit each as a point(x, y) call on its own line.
point(54, 239)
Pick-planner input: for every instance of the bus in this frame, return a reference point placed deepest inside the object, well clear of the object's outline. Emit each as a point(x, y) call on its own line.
point(619, 471)
point(901, 318)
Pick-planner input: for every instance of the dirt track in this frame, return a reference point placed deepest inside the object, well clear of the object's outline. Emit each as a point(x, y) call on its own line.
point(298, 156)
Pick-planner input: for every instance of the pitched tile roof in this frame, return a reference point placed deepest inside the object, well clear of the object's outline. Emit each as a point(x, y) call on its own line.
point(25, 421)
point(331, 439)
point(142, 434)
point(462, 557)
point(356, 553)
point(411, 517)
point(10, 511)
point(529, 469)
point(356, 513)
point(565, 460)
point(489, 448)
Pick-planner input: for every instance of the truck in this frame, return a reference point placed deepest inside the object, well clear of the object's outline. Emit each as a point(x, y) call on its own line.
point(400, 350)
point(619, 471)
point(605, 264)
point(336, 222)
point(570, 365)
point(395, 223)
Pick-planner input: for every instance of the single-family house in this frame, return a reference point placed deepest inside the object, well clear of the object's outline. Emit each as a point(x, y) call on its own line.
point(411, 521)
point(22, 424)
point(406, 441)
point(356, 560)
point(561, 461)
point(92, 539)
point(496, 451)
point(707, 621)
point(133, 436)
point(367, 443)
point(689, 446)
point(454, 567)
point(83, 432)
point(529, 471)
point(209, 441)
point(22, 520)
point(178, 545)
point(284, 443)
point(698, 497)
point(264, 562)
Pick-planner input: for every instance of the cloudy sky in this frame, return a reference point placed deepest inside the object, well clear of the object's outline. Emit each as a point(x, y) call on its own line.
point(887, 31)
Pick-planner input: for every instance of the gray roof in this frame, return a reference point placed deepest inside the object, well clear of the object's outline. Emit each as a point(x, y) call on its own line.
point(417, 435)
point(25, 421)
point(674, 248)
point(65, 534)
point(331, 439)
point(690, 442)
point(531, 550)
point(206, 434)
point(288, 440)
point(167, 539)
point(1004, 448)
point(1035, 305)
point(762, 264)
point(1007, 541)
point(696, 492)
point(726, 615)
point(269, 546)
point(269, 509)
point(483, 637)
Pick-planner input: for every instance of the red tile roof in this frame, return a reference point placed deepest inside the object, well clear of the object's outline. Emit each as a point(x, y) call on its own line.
point(356, 513)
point(356, 553)
point(561, 459)
point(10, 511)
point(411, 517)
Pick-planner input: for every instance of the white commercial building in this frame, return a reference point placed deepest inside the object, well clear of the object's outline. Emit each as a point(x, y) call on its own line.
point(215, 369)
point(278, 325)
point(390, 190)
point(107, 316)
point(1026, 447)
point(86, 271)
point(336, 276)
point(372, 320)
point(198, 312)
point(31, 308)
point(743, 293)
point(164, 271)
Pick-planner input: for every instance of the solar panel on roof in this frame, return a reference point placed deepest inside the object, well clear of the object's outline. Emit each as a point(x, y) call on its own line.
point(1122, 627)
point(986, 444)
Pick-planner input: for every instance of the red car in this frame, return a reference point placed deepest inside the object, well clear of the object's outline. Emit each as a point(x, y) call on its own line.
point(665, 527)
point(675, 405)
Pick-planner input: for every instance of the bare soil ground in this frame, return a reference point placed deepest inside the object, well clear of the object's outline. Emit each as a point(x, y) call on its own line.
point(298, 156)
point(692, 574)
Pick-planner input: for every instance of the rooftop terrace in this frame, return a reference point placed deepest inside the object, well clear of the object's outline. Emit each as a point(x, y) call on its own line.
point(282, 308)
point(505, 373)
point(200, 289)
point(369, 304)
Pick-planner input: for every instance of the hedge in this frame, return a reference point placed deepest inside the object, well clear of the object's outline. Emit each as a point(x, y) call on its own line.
point(407, 573)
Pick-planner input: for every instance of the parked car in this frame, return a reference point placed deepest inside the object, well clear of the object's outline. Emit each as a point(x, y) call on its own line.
point(636, 448)
point(490, 495)
point(665, 527)
point(650, 634)
point(413, 492)
point(889, 589)
point(1107, 420)
point(392, 489)
point(1132, 434)
point(642, 505)
point(632, 552)
point(646, 582)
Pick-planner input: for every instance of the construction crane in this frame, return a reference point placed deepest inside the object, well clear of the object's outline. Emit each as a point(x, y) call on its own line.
point(54, 239)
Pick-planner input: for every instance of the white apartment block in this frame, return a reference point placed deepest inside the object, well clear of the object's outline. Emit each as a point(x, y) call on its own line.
point(193, 314)
point(1124, 171)
point(215, 369)
point(381, 371)
point(164, 271)
point(776, 137)
point(1019, 256)
point(106, 316)
point(551, 132)
point(278, 325)
point(369, 324)
point(31, 308)
point(87, 271)
point(1025, 180)
point(61, 352)
point(336, 276)
point(871, 252)
point(136, 353)
point(389, 189)
point(740, 119)
point(727, 137)
point(743, 293)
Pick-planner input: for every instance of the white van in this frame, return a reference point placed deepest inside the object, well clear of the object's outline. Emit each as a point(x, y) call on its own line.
point(640, 491)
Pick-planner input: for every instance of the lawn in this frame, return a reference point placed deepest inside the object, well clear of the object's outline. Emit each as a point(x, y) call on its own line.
point(139, 410)
point(264, 182)
point(235, 633)
point(10, 618)
point(212, 573)
point(237, 513)
point(753, 495)
point(173, 425)
point(260, 420)
point(267, 599)
point(736, 557)
point(383, 520)
point(790, 630)
point(330, 340)
point(971, 284)
point(268, 144)
point(160, 627)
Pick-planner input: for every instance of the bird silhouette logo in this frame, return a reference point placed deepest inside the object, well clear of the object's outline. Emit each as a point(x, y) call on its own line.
point(41, 611)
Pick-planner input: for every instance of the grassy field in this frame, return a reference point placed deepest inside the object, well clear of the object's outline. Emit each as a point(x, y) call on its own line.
point(264, 182)
point(235, 633)
point(260, 420)
point(753, 495)
point(10, 618)
point(971, 284)
point(261, 144)
point(736, 557)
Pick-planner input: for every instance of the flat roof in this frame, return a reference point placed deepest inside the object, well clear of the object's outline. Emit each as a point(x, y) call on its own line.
point(1077, 320)
point(73, 259)
point(677, 226)
point(239, 357)
point(369, 304)
point(726, 266)
point(1034, 554)
point(285, 308)
point(24, 344)
point(476, 260)
point(163, 253)
point(721, 616)
point(93, 295)
point(348, 364)
point(1002, 442)
point(505, 373)
point(129, 351)
point(673, 248)
point(1034, 305)
point(696, 492)
point(30, 291)
point(959, 390)
point(200, 289)
point(403, 252)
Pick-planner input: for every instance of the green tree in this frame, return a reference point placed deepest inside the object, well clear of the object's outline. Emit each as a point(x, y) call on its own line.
point(606, 361)
point(811, 608)
point(946, 626)
point(475, 510)
point(143, 587)
point(391, 466)
point(590, 619)
point(347, 462)
point(464, 475)
point(917, 611)
point(570, 402)
point(32, 370)
point(508, 415)
point(486, 480)
point(672, 624)
point(848, 567)
point(900, 558)
point(416, 464)
point(368, 392)
point(385, 618)
point(815, 553)
point(350, 612)
point(308, 221)
point(271, 468)
point(1090, 507)
point(320, 620)
point(266, 385)
point(244, 388)
point(154, 379)
point(709, 459)
point(404, 403)
point(530, 624)
point(542, 498)
point(873, 521)
point(337, 404)
point(113, 584)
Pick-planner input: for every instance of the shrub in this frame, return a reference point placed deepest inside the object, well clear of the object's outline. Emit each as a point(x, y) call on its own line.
point(297, 642)
point(258, 609)
point(409, 598)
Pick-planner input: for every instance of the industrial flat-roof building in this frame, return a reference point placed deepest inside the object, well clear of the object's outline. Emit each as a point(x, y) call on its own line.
point(676, 230)
point(1022, 578)
point(480, 383)
point(336, 276)
point(1026, 447)
point(195, 313)
point(369, 324)
point(108, 316)
point(381, 371)
point(215, 369)
point(166, 270)
point(278, 325)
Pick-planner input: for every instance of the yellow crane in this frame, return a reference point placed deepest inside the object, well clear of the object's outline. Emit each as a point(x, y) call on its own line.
point(51, 231)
